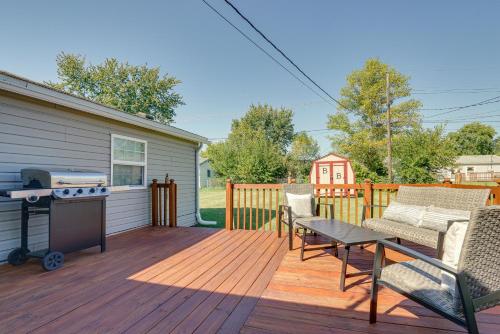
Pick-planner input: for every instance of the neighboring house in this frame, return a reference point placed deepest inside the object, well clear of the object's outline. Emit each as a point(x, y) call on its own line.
point(470, 168)
point(477, 164)
point(206, 173)
point(43, 127)
point(477, 167)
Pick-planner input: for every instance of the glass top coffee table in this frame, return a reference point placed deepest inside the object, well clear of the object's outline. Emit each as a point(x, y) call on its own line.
point(345, 234)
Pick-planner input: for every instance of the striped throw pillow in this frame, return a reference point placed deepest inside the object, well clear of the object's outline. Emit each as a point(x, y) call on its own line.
point(404, 213)
point(436, 218)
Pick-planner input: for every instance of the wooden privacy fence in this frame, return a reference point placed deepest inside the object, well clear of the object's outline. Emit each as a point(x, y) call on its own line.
point(164, 203)
point(255, 206)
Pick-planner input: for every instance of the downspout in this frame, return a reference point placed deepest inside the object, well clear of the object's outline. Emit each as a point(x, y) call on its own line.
point(197, 189)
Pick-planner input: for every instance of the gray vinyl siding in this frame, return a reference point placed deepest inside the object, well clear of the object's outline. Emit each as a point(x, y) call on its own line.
point(34, 134)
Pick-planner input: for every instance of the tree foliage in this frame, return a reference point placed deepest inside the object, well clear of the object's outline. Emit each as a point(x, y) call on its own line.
point(304, 150)
point(473, 139)
point(361, 120)
point(129, 88)
point(255, 149)
point(275, 123)
point(420, 154)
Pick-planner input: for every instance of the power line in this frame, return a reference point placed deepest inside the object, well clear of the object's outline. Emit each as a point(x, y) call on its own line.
point(265, 52)
point(282, 53)
point(495, 99)
point(456, 92)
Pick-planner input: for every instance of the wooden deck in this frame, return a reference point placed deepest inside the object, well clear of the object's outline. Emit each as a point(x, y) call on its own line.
point(304, 297)
point(201, 280)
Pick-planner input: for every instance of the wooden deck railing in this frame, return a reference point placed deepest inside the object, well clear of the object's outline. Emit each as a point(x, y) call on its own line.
point(477, 177)
point(164, 203)
point(255, 206)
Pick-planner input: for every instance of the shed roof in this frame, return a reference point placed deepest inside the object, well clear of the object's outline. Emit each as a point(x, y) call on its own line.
point(478, 159)
point(15, 84)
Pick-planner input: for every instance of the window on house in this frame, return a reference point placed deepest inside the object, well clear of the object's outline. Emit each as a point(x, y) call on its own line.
point(128, 161)
point(208, 172)
point(470, 169)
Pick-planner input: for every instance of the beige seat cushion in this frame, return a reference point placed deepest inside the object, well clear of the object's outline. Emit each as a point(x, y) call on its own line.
point(415, 234)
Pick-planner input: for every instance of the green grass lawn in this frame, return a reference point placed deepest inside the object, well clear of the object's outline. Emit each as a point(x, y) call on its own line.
point(213, 208)
point(490, 184)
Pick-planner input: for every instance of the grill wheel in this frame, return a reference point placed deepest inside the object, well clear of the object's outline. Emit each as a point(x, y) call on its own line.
point(18, 256)
point(53, 261)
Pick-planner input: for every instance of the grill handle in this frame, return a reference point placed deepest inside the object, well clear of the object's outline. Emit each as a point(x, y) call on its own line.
point(98, 182)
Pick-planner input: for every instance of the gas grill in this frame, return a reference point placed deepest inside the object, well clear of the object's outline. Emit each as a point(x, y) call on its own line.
point(75, 202)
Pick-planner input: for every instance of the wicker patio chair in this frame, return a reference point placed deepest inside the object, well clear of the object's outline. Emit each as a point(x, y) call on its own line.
point(477, 274)
point(285, 211)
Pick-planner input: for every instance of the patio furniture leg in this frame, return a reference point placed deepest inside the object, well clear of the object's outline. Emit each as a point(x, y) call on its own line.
point(377, 264)
point(345, 257)
point(373, 301)
point(303, 244)
point(290, 237)
point(280, 216)
point(398, 240)
point(335, 249)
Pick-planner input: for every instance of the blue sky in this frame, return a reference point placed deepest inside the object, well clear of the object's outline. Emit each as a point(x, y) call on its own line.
point(442, 45)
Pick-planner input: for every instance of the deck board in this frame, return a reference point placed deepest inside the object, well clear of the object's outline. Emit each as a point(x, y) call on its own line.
point(185, 280)
point(305, 297)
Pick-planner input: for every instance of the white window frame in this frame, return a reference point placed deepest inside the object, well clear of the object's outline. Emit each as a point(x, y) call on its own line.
point(131, 163)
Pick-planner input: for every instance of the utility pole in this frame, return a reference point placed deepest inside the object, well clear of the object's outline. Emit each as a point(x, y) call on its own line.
point(389, 135)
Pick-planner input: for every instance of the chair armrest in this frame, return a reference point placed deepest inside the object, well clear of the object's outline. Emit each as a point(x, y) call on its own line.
point(330, 206)
point(417, 255)
point(288, 209)
point(363, 213)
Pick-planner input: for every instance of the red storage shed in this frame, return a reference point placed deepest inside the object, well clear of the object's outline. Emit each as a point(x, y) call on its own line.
point(332, 169)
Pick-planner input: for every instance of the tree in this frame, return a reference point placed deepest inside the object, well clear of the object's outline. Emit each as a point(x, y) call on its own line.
point(255, 149)
point(474, 138)
point(361, 120)
point(129, 88)
point(304, 151)
point(420, 154)
point(497, 145)
point(276, 123)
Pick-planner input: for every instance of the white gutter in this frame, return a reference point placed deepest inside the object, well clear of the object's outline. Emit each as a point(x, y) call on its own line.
point(199, 220)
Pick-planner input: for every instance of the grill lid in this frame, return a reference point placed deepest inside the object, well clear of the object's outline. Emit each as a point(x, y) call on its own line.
point(36, 178)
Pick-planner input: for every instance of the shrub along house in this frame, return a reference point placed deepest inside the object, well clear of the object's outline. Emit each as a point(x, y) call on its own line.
point(43, 127)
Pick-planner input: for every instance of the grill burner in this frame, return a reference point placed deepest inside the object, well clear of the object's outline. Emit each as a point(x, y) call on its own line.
point(75, 202)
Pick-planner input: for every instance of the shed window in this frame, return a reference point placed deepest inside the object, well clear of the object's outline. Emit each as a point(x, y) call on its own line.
point(208, 172)
point(470, 169)
point(128, 161)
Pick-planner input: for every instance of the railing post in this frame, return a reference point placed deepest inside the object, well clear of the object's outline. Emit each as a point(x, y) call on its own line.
point(154, 202)
point(368, 197)
point(172, 214)
point(447, 181)
point(229, 204)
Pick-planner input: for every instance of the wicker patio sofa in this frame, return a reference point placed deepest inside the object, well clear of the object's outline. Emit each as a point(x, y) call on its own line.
point(442, 197)
point(477, 275)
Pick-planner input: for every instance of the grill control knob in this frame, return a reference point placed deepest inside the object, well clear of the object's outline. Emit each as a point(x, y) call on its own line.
point(92, 190)
point(79, 191)
point(66, 191)
point(103, 190)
